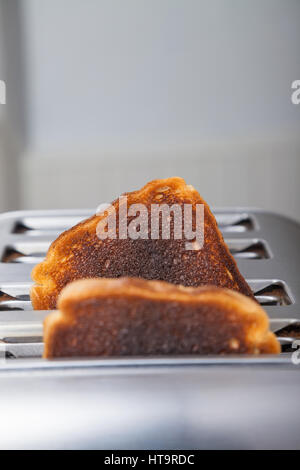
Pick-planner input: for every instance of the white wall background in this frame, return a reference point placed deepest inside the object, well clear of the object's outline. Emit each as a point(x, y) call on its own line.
point(12, 115)
point(121, 91)
point(2, 108)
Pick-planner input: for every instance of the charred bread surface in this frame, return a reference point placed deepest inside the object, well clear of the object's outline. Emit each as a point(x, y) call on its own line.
point(78, 253)
point(132, 317)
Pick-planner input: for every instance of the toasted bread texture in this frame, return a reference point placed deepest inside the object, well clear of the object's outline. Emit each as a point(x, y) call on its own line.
point(130, 316)
point(78, 253)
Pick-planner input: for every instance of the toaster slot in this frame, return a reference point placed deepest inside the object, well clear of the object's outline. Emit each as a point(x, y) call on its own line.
point(40, 226)
point(15, 298)
point(236, 223)
point(249, 249)
point(271, 293)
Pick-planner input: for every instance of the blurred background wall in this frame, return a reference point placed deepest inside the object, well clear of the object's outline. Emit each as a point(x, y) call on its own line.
point(104, 95)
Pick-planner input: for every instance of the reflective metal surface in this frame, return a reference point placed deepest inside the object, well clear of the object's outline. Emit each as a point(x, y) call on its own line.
point(196, 407)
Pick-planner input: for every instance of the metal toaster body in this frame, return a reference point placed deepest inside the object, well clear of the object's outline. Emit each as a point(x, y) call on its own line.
point(188, 391)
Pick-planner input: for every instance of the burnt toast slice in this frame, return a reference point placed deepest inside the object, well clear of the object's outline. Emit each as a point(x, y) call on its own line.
point(78, 253)
point(132, 317)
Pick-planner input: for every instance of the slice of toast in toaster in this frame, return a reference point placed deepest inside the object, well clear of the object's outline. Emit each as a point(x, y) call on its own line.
point(130, 316)
point(78, 253)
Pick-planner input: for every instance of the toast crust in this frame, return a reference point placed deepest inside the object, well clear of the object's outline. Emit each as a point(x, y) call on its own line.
point(79, 254)
point(129, 316)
